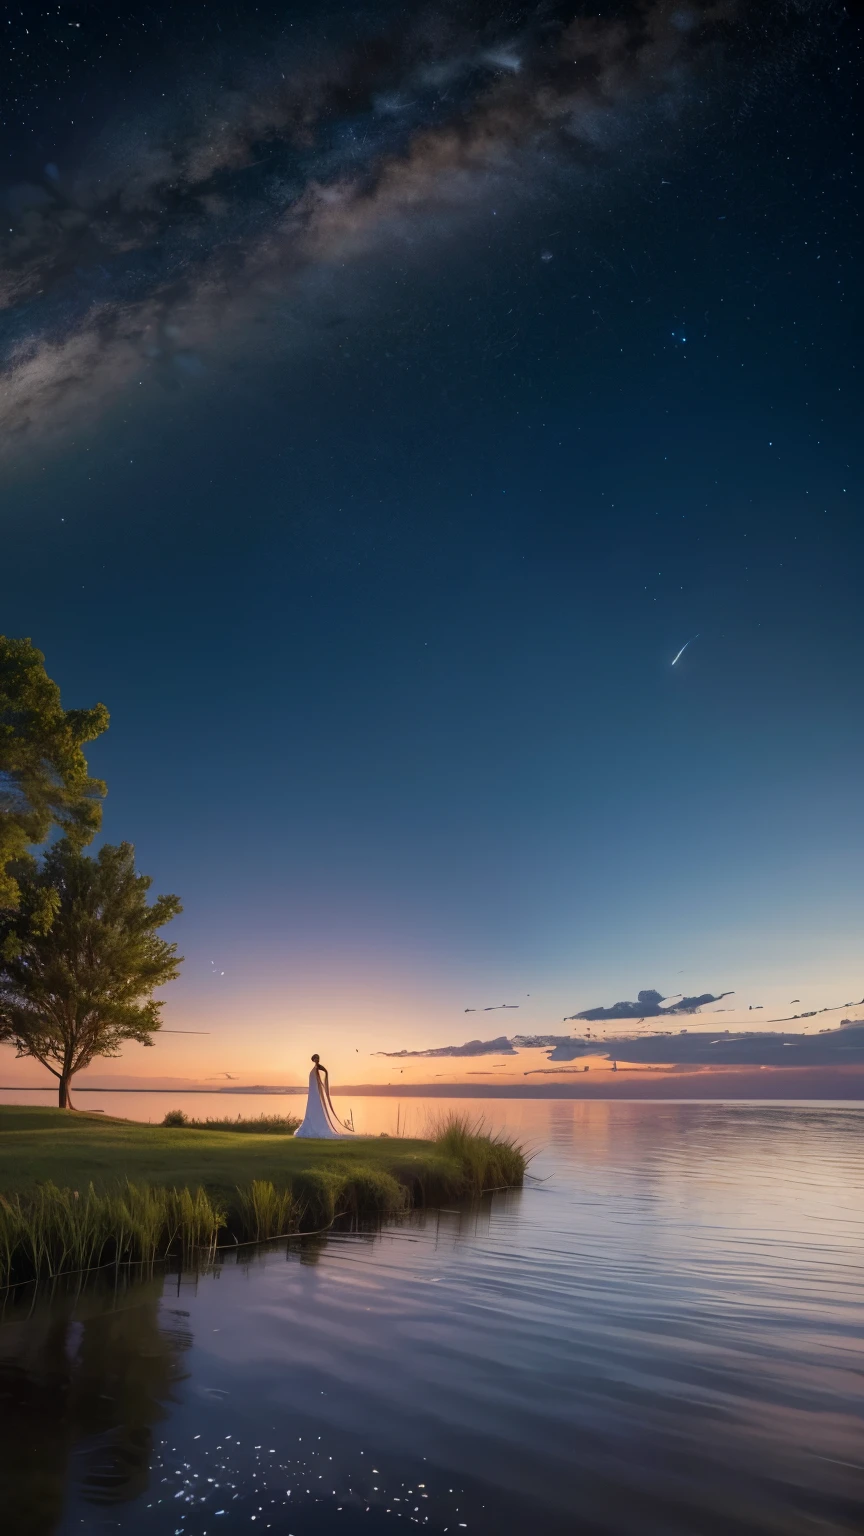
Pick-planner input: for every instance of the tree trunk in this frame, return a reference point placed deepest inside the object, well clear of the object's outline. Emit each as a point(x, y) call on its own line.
point(65, 1100)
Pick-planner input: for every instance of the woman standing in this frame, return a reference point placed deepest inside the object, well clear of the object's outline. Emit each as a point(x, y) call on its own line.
point(320, 1118)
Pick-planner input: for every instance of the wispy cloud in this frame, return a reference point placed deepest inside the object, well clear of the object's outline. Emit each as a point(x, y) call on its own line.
point(843, 1047)
point(649, 1005)
point(500, 1047)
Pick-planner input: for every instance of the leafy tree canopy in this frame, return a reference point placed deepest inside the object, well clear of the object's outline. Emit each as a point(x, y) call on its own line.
point(84, 986)
point(44, 780)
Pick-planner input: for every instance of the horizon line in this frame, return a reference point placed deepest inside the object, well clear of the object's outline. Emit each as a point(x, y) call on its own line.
point(837, 1084)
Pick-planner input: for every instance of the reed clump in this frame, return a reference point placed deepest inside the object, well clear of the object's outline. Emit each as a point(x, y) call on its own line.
point(370, 1193)
point(56, 1231)
point(354, 1190)
point(266, 1212)
point(255, 1125)
point(487, 1160)
point(315, 1200)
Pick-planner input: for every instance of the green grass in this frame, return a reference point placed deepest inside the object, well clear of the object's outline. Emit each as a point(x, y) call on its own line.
point(489, 1160)
point(60, 1231)
point(79, 1190)
point(257, 1125)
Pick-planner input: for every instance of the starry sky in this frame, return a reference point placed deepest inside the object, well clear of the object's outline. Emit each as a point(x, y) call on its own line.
point(388, 393)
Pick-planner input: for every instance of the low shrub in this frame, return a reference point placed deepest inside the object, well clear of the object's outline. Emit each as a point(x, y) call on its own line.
point(371, 1193)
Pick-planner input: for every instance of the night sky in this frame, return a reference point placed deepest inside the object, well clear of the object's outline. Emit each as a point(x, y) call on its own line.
point(388, 394)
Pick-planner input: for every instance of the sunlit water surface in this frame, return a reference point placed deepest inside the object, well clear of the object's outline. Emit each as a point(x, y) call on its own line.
point(662, 1336)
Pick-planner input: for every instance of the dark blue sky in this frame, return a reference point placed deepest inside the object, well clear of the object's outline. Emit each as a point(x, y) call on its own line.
point(381, 569)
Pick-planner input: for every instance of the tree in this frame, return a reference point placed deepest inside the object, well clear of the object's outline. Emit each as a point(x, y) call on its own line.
point(44, 780)
point(84, 986)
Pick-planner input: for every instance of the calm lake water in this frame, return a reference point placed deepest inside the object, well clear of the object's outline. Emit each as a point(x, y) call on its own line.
point(663, 1336)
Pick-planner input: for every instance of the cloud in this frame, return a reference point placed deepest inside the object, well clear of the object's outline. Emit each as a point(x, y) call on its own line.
point(499, 1047)
point(164, 244)
point(542, 1042)
point(843, 1047)
point(649, 1005)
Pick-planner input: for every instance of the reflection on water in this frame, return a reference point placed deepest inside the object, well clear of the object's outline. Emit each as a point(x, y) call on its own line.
point(82, 1384)
point(664, 1336)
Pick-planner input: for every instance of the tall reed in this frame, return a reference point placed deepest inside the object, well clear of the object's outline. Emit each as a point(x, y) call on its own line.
point(59, 1231)
point(269, 1212)
point(486, 1159)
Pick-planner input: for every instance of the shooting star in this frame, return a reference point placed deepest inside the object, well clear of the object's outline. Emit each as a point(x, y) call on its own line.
point(684, 647)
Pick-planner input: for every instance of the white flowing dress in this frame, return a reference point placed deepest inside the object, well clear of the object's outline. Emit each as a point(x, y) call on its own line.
point(320, 1119)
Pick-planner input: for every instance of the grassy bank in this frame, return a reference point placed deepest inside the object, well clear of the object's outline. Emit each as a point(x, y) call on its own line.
point(79, 1190)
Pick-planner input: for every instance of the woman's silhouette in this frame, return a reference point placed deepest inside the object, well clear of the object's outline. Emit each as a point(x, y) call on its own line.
point(320, 1118)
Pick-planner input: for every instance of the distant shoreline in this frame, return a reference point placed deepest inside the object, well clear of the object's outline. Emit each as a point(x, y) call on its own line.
point(789, 1083)
point(79, 1088)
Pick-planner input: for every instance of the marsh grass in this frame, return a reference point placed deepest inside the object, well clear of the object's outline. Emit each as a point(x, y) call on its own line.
point(53, 1231)
point(488, 1159)
point(267, 1212)
point(60, 1231)
point(256, 1125)
point(370, 1193)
